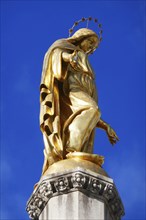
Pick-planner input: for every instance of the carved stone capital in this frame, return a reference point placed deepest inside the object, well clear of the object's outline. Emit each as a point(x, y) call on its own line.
point(89, 183)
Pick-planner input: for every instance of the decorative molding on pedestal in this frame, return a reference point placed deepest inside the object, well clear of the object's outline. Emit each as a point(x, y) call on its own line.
point(87, 182)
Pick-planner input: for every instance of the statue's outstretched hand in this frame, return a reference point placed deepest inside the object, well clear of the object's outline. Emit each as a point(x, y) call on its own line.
point(113, 138)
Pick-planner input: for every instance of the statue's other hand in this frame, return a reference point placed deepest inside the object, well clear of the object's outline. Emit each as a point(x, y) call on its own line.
point(113, 138)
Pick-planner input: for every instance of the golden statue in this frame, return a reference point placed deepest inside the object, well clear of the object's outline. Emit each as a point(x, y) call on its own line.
point(69, 110)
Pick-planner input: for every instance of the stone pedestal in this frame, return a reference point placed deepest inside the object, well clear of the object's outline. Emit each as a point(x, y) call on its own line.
point(76, 192)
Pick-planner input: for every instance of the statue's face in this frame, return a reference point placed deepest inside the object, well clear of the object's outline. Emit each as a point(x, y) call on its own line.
point(89, 44)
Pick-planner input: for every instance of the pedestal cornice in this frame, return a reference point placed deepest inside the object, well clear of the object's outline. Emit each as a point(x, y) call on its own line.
point(79, 179)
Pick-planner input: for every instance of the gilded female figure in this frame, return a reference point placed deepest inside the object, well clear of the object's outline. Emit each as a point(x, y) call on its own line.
point(69, 106)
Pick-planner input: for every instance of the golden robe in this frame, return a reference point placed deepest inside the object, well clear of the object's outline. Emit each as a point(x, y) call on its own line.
point(69, 111)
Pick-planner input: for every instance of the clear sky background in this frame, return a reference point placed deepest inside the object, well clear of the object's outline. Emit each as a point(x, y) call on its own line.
point(28, 28)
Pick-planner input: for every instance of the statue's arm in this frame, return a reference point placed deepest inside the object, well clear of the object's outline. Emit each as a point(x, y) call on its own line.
point(113, 138)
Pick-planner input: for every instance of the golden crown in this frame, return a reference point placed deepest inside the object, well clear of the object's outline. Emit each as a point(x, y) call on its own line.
point(87, 20)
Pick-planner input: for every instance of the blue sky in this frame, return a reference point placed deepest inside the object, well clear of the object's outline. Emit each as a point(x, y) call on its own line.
point(28, 28)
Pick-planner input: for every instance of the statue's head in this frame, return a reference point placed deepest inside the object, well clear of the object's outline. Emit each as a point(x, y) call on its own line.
point(86, 39)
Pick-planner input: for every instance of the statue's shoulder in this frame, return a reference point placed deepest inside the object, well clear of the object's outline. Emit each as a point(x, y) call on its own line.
point(63, 44)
